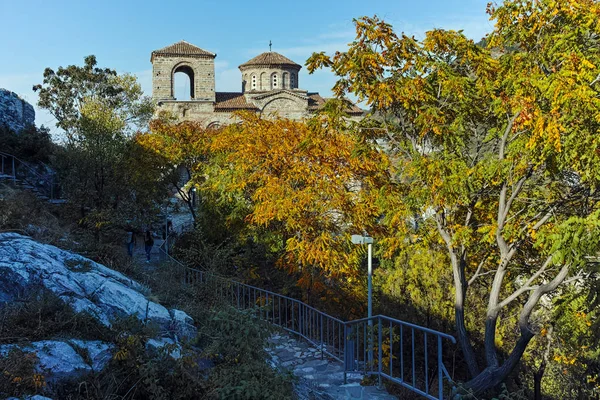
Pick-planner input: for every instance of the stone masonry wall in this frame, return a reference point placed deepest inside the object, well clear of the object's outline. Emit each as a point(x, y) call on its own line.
point(263, 78)
point(163, 77)
point(198, 111)
point(15, 112)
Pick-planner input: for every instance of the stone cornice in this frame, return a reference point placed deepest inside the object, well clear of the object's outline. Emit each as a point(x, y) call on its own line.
point(302, 95)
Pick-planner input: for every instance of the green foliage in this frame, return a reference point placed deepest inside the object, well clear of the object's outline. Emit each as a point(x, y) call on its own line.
point(102, 169)
point(236, 341)
point(414, 281)
point(31, 144)
point(574, 357)
point(65, 92)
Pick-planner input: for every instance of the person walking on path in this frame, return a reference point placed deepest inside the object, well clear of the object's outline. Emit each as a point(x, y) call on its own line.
point(148, 243)
point(130, 240)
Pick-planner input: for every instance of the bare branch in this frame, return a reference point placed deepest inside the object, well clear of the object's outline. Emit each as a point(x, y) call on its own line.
point(527, 285)
point(515, 192)
point(443, 232)
point(574, 278)
point(477, 274)
point(509, 127)
point(595, 80)
point(535, 296)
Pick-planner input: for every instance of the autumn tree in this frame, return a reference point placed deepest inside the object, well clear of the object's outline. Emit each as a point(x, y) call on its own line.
point(308, 182)
point(185, 146)
point(496, 156)
point(303, 187)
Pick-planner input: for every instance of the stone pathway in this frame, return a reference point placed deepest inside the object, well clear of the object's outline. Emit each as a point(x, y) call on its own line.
point(139, 253)
point(318, 379)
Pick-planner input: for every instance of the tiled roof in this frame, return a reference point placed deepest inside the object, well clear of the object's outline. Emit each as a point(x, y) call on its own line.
point(182, 48)
point(226, 101)
point(270, 58)
point(316, 102)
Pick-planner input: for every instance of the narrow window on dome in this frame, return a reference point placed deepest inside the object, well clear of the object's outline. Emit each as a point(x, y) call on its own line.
point(292, 81)
point(274, 81)
point(253, 82)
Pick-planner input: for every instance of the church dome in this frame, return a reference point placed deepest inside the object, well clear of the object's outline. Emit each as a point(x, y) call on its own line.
point(270, 59)
point(269, 71)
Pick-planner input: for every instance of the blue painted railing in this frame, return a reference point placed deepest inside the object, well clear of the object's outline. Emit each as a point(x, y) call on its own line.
point(381, 346)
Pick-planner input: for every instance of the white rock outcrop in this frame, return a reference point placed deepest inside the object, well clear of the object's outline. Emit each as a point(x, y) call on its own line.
point(60, 360)
point(25, 265)
point(15, 112)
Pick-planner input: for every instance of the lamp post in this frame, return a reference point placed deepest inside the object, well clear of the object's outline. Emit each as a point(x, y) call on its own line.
point(360, 239)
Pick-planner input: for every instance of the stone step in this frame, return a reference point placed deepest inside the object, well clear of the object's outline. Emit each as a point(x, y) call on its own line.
point(318, 378)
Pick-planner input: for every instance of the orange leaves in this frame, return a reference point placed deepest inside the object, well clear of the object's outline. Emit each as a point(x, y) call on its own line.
point(307, 182)
point(179, 142)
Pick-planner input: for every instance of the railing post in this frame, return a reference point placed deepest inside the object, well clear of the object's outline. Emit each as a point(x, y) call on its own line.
point(348, 350)
point(345, 354)
point(440, 372)
point(380, 351)
point(300, 318)
point(321, 336)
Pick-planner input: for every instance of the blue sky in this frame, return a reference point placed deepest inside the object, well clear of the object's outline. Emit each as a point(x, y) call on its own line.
point(37, 34)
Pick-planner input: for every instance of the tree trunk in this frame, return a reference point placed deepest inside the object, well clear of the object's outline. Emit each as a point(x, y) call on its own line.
point(461, 285)
point(537, 384)
point(465, 342)
point(539, 374)
point(493, 376)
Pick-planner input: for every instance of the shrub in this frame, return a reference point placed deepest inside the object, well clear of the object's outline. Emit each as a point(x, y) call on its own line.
point(235, 340)
point(31, 144)
point(18, 375)
point(43, 315)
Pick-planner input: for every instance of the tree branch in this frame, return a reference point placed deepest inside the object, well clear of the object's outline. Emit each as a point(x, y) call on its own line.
point(595, 80)
point(511, 122)
point(477, 274)
point(526, 286)
point(535, 296)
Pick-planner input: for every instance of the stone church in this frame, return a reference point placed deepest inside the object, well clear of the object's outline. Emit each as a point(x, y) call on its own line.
point(269, 86)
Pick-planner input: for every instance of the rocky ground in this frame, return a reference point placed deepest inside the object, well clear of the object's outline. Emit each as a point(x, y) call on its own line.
point(27, 266)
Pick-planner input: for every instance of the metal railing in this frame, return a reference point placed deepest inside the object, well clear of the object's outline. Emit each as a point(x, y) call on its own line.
point(381, 346)
point(399, 352)
point(17, 169)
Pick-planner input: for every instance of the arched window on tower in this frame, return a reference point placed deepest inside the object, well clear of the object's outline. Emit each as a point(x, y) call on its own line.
point(274, 83)
point(285, 81)
point(183, 83)
point(253, 82)
point(292, 81)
